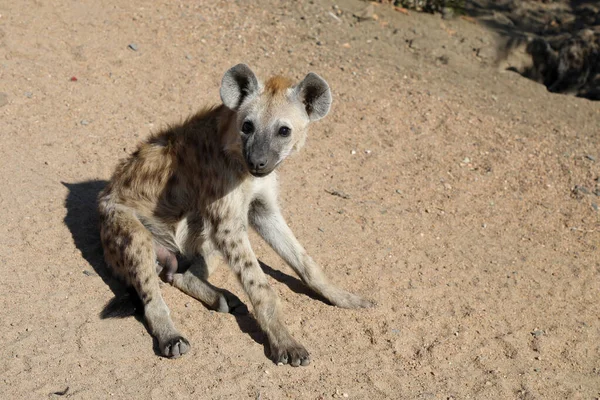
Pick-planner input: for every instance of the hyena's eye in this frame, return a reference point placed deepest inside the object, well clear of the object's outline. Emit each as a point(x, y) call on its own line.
point(248, 127)
point(284, 131)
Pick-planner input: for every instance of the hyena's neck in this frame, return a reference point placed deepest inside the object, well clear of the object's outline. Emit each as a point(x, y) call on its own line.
point(230, 141)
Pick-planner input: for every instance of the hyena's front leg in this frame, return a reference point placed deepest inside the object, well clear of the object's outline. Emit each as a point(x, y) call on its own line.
point(234, 244)
point(269, 223)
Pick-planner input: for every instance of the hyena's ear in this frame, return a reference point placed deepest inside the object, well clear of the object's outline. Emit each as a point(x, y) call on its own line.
point(238, 83)
point(314, 93)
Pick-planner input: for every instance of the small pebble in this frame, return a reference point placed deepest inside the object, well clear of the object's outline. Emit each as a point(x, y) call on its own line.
point(590, 157)
point(466, 160)
point(188, 57)
point(73, 79)
point(133, 46)
point(84, 122)
point(537, 333)
point(353, 152)
point(595, 206)
point(3, 99)
point(28, 95)
point(447, 13)
point(86, 272)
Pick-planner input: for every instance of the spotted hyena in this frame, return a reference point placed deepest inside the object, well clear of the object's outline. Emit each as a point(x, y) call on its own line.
point(192, 192)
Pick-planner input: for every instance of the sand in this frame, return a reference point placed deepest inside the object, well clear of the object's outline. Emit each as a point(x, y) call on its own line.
point(471, 216)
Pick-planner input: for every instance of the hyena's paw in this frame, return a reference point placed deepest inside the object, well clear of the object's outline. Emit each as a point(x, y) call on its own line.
point(230, 303)
point(174, 347)
point(344, 299)
point(293, 354)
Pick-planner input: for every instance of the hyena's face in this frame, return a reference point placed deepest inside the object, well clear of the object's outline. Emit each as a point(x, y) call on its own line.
point(271, 127)
point(272, 119)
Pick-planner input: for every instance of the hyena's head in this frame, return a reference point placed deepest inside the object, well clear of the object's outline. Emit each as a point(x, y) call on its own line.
point(272, 118)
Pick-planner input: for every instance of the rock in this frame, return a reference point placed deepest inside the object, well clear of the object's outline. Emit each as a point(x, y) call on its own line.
point(84, 122)
point(502, 19)
point(447, 13)
point(133, 46)
point(413, 44)
point(579, 191)
point(590, 157)
point(28, 95)
point(366, 13)
point(442, 60)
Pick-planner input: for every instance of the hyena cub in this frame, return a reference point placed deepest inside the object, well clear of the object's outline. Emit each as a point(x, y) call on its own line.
point(193, 190)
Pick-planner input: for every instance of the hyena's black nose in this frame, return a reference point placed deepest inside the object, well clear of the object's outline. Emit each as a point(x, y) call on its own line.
point(257, 163)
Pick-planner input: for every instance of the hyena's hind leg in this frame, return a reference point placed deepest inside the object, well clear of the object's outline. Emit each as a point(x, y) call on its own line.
point(194, 282)
point(129, 251)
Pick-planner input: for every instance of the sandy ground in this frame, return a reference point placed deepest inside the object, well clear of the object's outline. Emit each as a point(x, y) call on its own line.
point(472, 218)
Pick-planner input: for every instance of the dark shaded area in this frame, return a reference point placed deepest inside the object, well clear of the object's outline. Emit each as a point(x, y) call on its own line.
point(248, 325)
point(522, 18)
point(82, 221)
point(295, 284)
point(561, 36)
